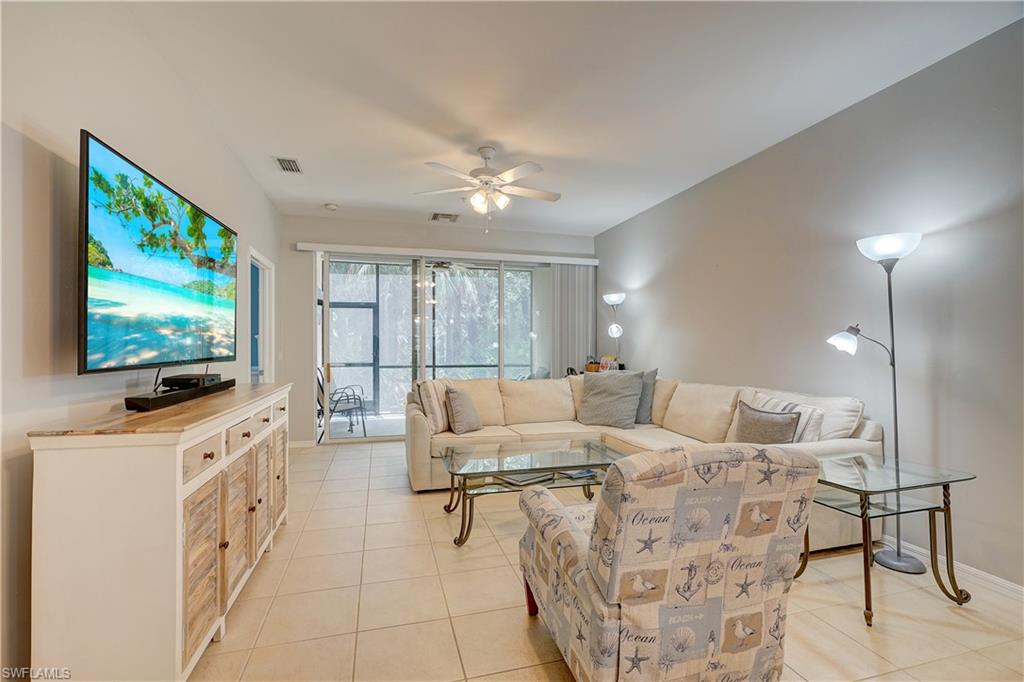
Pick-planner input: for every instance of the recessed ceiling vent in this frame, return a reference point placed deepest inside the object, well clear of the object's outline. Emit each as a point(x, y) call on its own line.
point(288, 165)
point(440, 217)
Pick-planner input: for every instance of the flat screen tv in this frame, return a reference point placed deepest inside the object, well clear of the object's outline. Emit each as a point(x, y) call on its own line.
point(156, 272)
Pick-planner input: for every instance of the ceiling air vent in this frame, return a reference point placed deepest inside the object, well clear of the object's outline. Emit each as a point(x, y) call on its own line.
point(439, 217)
point(288, 165)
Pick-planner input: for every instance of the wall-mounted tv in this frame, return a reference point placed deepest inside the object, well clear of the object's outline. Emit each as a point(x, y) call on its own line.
point(156, 272)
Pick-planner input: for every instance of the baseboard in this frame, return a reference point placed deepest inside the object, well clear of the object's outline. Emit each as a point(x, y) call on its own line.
point(301, 443)
point(963, 571)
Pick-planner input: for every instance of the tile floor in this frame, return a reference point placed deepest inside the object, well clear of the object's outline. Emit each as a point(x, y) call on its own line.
point(364, 583)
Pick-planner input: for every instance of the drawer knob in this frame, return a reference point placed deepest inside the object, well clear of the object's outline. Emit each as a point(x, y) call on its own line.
point(209, 455)
point(224, 545)
point(252, 508)
point(259, 500)
point(278, 477)
point(282, 409)
point(266, 420)
point(246, 434)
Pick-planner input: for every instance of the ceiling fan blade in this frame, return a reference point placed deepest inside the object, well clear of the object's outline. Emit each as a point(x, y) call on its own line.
point(451, 171)
point(518, 172)
point(447, 191)
point(531, 193)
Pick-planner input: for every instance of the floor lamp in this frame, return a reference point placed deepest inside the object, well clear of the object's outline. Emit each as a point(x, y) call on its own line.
point(615, 329)
point(886, 250)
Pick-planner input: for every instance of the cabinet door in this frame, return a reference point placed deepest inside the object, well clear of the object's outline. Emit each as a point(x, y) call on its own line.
point(201, 592)
point(280, 472)
point(263, 477)
point(237, 537)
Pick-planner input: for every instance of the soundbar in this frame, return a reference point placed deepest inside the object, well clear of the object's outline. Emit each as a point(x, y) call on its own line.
point(157, 399)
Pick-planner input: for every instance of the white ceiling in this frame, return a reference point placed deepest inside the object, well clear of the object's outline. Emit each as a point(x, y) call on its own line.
point(624, 104)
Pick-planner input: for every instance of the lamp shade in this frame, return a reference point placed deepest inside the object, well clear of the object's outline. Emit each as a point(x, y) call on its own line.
point(479, 202)
point(614, 299)
point(886, 246)
point(614, 330)
point(500, 200)
point(844, 341)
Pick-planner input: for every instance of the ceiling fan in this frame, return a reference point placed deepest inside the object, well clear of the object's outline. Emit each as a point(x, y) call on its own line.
point(490, 187)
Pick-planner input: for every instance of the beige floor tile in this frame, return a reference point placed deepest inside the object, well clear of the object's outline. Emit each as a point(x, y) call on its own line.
point(508, 639)
point(397, 563)
point(380, 536)
point(351, 470)
point(989, 618)
point(849, 570)
point(381, 496)
point(341, 485)
point(432, 503)
point(503, 502)
point(321, 573)
point(400, 602)
point(445, 528)
point(506, 522)
point(308, 615)
point(479, 552)
point(549, 672)
point(483, 590)
point(790, 675)
point(423, 652)
point(336, 518)
point(894, 676)
point(328, 659)
point(222, 668)
point(284, 544)
point(295, 521)
point(381, 482)
point(329, 541)
point(243, 624)
point(378, 471)
point(815, 590)
point(819, 652)
point(342, 500)
point(899, 636)
point(310, 488)
point(510, 544)
point(970, 666)
point(393, 513)
point(309, 464)
point(306, 476)
point(1009, 654)
point(301, 501)
point(264, 579)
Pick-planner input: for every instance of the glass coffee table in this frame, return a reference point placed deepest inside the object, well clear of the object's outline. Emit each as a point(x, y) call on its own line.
point(867, 487)
point(477, 470)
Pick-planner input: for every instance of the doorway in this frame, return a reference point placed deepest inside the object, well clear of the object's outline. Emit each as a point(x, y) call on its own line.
point(261, 318)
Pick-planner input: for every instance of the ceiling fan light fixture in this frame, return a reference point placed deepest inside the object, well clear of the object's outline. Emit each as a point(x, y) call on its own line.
point(479, 202)
point(500, 200)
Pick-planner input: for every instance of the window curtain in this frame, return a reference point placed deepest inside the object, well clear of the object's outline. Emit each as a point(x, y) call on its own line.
point(573, 313)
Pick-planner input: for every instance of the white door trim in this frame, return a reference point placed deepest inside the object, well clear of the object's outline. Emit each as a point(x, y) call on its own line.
point(267, 314)
point(444, 253)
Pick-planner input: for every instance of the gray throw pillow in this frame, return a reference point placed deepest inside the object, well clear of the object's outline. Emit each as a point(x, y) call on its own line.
point(611, 398)
point(462, 414)
point(765, 428)
point(643, 410)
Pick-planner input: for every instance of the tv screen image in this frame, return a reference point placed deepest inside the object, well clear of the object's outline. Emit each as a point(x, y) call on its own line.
point(158, 272)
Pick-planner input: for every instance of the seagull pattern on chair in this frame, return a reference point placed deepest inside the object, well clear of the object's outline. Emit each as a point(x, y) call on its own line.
point(680, 571)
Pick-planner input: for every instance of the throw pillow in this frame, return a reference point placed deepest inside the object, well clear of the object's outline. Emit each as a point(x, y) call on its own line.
point(763, 427)
point(462, 414)
point(643, 410)
point(811, 417)
point(611, 398)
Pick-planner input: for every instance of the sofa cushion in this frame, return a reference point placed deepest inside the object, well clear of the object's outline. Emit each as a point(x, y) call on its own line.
point(639, 440)
point(488, 434)
point(663, 390)
point(808, 429)
point(537, 400)
point(432, 393)
point(486, 399)
point(763, 427)
point(701, 411)
point(462, 415)
point(576, 386)
point(643, 409)
point(842, 413)
point(555, 430)
point(611, 398)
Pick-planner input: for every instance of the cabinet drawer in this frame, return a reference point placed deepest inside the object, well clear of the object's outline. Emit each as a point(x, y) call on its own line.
point(281, 409)
point(240, 435)
point(200, 456)
point(261, 420)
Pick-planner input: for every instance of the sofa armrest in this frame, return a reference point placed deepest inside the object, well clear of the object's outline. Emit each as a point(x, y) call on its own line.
point(824, 449)
point(868, 430)
point(553, 527)
point(417, 447)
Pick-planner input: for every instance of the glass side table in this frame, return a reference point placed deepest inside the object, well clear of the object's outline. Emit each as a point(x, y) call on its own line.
point(865, 486)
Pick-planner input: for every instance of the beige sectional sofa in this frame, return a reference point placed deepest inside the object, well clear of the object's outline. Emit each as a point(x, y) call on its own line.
point(682, 414)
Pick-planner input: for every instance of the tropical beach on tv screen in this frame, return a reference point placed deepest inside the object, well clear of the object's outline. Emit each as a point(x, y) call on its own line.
point(160, 284)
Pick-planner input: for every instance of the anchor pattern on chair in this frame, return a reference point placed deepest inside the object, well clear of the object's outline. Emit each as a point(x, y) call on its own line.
point(685, 571)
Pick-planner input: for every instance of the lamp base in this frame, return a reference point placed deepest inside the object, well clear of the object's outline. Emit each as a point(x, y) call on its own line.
point(904, 563)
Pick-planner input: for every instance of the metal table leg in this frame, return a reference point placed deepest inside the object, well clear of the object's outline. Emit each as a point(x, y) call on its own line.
point(587, 492)
point(865, 531)
point(806, 553)
point(958, 595)
point(468, 507)
point(454, 496)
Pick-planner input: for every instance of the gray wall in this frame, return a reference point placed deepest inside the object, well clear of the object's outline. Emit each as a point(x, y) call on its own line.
point(69, 48)
point(296, 312)
point(739, 280)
